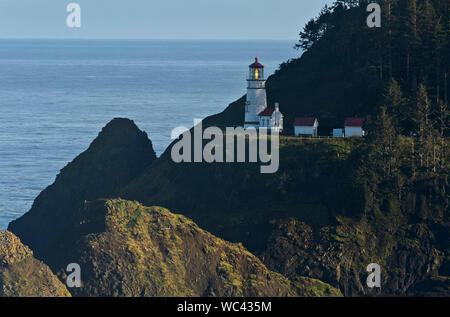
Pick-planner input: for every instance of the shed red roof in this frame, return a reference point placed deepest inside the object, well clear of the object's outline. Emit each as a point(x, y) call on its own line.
point(256, 64)
point(266, 112)
point(354, 122)
point(304, 121)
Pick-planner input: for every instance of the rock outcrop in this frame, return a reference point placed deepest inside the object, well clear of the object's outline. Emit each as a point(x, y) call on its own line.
point(339, 255)
point(21, 275)
point(119, 153)
point(126, 249)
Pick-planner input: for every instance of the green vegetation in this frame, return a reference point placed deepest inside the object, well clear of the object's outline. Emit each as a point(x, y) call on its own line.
point(308, 186)
point(22, 275)
point(382, 198)
point(345, 66)
point(148, 251)
point(334, 206)
point(309, 287)
point(398, 208)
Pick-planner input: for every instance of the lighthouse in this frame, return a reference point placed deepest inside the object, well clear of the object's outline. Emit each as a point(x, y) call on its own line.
point(256, 95)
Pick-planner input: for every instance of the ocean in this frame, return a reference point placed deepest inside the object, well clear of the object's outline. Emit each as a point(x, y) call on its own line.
point(56, 95)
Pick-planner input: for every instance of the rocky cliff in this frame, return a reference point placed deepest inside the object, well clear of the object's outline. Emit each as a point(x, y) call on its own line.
point(309, 218)
point(340, 255)
point(22, 275)
point(333, 207)
point(126, 249)
point(329, 238)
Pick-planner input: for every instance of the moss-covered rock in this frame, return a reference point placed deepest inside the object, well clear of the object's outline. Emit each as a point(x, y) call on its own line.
point(340, 254)
point(126, 249)
point(22, 275)
point(310, 287)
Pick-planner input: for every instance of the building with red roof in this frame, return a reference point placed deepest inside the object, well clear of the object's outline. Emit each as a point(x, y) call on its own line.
point(306, 126)
point(353, 127)
point(257, 113)
point(271, 118)
point(266, 112)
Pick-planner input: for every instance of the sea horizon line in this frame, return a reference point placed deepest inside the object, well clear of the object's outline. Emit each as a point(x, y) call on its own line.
point(141, 39)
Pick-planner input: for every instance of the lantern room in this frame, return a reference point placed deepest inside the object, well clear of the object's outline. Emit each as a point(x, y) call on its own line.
point(256, 70)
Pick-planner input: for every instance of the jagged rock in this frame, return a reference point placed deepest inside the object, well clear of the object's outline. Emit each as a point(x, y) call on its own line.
point(119, 153)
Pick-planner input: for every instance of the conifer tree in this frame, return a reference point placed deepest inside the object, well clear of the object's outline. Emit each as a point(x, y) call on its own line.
point(426, 150)
point(443, 115)
point(412, 40)
point(395, 104)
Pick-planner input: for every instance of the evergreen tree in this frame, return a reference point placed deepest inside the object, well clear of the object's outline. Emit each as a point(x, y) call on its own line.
point(431, 34)
point(422, 113)
point(412, 41)
point(443, 115)
point(395, 104)
point(426, 150)
point(384, 138)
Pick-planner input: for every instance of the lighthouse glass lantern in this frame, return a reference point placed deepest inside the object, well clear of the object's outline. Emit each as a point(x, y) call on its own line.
point(256, 70)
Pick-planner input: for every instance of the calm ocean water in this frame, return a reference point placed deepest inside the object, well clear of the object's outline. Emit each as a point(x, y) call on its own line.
point(56, 95)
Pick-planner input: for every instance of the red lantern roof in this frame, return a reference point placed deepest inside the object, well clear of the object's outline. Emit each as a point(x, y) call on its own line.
point(256, 64)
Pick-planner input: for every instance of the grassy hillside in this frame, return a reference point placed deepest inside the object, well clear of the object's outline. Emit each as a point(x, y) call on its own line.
point(236, 202)
point(126, 249)
point(346, 214)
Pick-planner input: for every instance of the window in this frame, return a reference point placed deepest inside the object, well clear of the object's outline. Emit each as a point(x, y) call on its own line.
point(256, 74)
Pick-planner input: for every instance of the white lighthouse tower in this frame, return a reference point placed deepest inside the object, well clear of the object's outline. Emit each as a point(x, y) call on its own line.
point(256, 95)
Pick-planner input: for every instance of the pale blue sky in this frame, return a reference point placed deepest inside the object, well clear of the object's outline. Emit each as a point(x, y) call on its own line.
point(159, 19)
